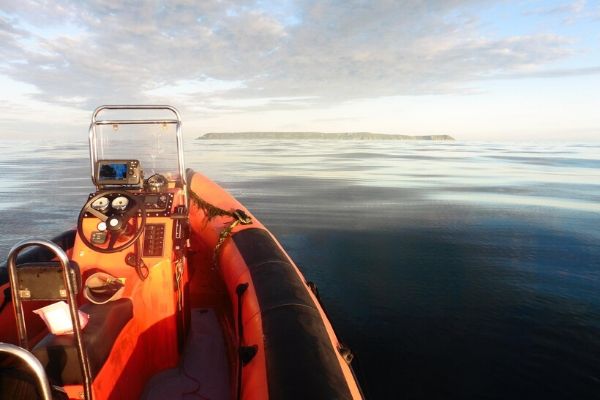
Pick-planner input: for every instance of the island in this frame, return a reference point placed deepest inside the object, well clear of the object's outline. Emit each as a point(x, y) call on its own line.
point(317, 136)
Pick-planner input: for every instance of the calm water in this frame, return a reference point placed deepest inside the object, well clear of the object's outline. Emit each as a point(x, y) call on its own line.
point(453, 270)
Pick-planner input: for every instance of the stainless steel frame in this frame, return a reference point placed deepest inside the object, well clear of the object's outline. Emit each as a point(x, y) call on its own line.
point(71, 300)
point(33, 364)
point(177, 121)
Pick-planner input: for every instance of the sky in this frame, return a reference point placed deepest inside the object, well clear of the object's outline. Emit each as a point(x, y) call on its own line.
point(477, 70)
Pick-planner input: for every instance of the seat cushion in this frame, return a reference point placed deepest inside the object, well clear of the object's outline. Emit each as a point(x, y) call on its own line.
point(58, 354)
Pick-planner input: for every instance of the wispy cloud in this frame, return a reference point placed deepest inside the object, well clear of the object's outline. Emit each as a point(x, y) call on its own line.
point(212, 52)
point(552, 73)
point(570, 7)
point(569, 11)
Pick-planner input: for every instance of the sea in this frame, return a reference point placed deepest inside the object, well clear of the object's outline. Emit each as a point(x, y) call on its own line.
point(452, 270)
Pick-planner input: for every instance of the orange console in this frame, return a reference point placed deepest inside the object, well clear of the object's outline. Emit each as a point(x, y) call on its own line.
point(152, 269)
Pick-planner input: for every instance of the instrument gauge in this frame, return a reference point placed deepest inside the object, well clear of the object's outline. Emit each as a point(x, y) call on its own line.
point(100, 204)
point(120, 203)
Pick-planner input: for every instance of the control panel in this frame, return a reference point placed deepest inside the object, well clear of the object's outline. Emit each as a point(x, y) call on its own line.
point(159, 204)
point(156, 204)
point(154, 240)
point(98, 237)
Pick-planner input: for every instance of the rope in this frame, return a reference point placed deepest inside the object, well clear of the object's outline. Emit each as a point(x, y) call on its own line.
point(211, 211)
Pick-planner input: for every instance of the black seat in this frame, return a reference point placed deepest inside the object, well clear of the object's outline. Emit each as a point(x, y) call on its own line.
point(17, 381)
point(58, 353)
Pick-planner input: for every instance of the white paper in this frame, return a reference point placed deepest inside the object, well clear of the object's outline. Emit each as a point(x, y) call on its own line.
point(57, 318)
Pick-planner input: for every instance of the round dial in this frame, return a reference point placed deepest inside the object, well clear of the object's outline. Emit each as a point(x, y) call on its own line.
point(120, 203)
point(100, 204)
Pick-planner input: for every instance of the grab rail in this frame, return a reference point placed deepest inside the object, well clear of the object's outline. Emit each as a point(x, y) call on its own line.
point(33, 364)
point(71, 301)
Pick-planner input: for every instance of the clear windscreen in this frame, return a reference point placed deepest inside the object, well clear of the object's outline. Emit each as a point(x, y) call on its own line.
point(154, 145)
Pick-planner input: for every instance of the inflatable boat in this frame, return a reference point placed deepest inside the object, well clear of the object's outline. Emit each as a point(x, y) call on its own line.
point(167, 288)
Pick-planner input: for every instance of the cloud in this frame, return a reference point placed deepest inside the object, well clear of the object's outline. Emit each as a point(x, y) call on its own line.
point(290, 54)
point(552, 73)
point(572, 7)
point(569, 11)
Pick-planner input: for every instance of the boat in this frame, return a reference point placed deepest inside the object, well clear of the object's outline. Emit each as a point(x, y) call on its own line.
point(167, 288)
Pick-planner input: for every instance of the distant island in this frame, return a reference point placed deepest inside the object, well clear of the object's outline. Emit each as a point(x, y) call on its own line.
point(317, 136)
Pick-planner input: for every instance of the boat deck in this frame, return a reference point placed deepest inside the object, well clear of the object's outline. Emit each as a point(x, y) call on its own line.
point(203, 372)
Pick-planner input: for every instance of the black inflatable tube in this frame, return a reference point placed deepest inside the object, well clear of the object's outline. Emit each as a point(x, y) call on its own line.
point(300, 359)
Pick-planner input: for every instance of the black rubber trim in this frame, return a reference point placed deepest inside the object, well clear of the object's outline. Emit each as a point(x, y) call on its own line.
point(36, 254)
point(189, 174)
point(300, 360)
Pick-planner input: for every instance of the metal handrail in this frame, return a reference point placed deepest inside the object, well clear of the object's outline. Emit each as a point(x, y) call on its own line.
point(98, 110)
point(177, 121)
point(71, 300)
point(136, 121)
point(34, 364)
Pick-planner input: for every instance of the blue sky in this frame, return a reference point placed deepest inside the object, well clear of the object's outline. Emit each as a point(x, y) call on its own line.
point(479, 70)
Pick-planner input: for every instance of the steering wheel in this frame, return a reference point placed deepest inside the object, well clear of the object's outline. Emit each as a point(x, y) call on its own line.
point(114, 220)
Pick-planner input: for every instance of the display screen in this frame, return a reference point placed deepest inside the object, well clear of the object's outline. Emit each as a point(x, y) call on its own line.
point(116, 171)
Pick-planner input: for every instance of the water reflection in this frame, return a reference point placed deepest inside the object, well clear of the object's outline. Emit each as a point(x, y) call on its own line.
point(453, 270)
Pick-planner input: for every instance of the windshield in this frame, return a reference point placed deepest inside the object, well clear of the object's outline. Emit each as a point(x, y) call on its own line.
point(154, 145)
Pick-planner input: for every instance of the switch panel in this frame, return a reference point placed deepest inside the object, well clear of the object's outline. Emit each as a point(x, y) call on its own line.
point(154, 240)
